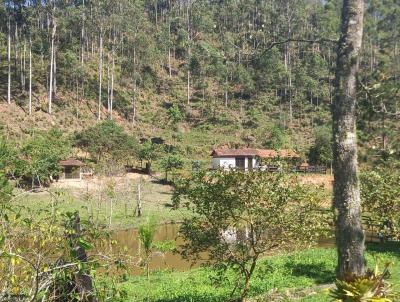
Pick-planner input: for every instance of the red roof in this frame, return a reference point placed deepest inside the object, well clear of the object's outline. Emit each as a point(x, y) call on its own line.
point(263, 153)
point(71, 162)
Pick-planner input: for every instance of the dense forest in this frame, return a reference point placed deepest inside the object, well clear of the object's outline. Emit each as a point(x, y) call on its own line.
point(197, 73)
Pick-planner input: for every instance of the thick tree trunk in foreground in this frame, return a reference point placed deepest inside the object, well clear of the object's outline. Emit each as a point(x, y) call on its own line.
point(349, 231)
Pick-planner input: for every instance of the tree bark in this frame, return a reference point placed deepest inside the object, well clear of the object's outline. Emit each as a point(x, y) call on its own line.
point(189, 52)
point(100, 71)
point(53, 34)
point(349, 231)
point(9, 63)
point(112, 80)
point(30, 76)
point(169, 48)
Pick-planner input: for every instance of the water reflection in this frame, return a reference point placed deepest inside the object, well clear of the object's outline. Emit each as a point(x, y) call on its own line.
point(127, 242)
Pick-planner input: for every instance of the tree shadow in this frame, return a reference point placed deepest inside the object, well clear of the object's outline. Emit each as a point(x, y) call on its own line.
point(316, 271)
point(198, 297)
point(391, 247)
point(161, 181)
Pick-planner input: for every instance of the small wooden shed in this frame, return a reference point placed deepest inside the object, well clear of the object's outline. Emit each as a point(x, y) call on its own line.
point(72, 169)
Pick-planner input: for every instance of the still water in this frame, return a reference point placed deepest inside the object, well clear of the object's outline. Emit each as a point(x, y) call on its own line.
point(127, 243)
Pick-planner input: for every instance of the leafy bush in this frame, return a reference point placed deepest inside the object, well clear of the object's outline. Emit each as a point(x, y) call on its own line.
point(174, 114)
point(170, 163)
point(278, 139)
point(380, 195)
point(107, 140)
point(239, 216)
point(43, 256)
point(148, 152)
point(5, 189)
point(40, 154)
point(321, 151)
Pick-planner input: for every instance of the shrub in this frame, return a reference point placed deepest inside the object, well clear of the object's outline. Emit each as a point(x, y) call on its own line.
point(321, 151)
point(171, 163)
point(40, 154)
point(239, 216)
point(380, 196)
point(107, 140)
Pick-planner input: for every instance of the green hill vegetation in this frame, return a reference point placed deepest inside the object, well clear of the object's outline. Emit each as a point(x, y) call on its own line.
point(197, 74)
point(150, 87)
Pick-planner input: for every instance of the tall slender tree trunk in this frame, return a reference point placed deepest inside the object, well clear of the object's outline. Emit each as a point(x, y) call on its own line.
point(134, 88)
point(83, 34)
point(55, 70)
point(189, 52)
point(349, 231)
point(112, 83)
point(30, 76)
point(169, 48)
point(23, 65)
point(100, 72)
point(16, 50)
point(226, 91)
point(53, 34)
point(108, 83)
point(9, 63)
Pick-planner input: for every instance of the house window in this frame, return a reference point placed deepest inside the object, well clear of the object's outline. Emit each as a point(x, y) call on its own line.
point(239, 163)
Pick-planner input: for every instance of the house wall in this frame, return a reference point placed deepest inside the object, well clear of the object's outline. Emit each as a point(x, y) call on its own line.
point(229, 163)
point(223, 162)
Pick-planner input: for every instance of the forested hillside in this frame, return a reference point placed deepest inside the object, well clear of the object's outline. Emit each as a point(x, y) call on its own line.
point(197, 73)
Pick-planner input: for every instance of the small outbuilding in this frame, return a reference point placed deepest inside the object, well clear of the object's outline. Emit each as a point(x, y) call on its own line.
point(72, 169)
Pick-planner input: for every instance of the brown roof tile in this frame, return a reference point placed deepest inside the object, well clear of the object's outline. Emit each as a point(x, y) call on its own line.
point(70, 162)
point(263, 153)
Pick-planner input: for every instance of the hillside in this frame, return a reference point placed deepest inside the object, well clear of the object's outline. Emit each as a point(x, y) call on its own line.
point(198, 75)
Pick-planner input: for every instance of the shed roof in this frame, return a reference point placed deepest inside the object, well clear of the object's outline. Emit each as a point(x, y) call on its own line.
point(263, 153)
point(71, 162)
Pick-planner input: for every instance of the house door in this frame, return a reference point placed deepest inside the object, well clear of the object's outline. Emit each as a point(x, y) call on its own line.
point(239, 163)
point(250, 164)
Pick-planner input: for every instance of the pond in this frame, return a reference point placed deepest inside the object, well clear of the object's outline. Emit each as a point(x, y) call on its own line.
point(127, 243)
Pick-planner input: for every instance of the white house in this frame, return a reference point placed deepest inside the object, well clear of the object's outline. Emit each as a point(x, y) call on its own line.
point(247, 159)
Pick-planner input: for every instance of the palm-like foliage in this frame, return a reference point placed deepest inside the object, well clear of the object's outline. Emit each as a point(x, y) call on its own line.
point(372, 287)
point(146, 237)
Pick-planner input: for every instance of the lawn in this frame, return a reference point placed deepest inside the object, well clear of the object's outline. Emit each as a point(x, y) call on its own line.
point(296, 276)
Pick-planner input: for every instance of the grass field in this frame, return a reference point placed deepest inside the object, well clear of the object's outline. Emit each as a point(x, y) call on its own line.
point(297, 276)
point(96, 201)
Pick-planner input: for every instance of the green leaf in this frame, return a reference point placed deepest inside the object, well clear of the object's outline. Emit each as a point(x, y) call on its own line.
point(84, 244)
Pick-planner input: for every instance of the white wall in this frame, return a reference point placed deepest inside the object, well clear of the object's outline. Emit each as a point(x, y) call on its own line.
point(229, 162)
point(223, 162)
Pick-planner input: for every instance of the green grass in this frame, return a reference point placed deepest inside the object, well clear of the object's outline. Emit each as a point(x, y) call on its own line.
point(155, 203)
point(291, 277)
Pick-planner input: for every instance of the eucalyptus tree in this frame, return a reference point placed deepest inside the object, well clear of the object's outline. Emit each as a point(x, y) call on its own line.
point(349, 230)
